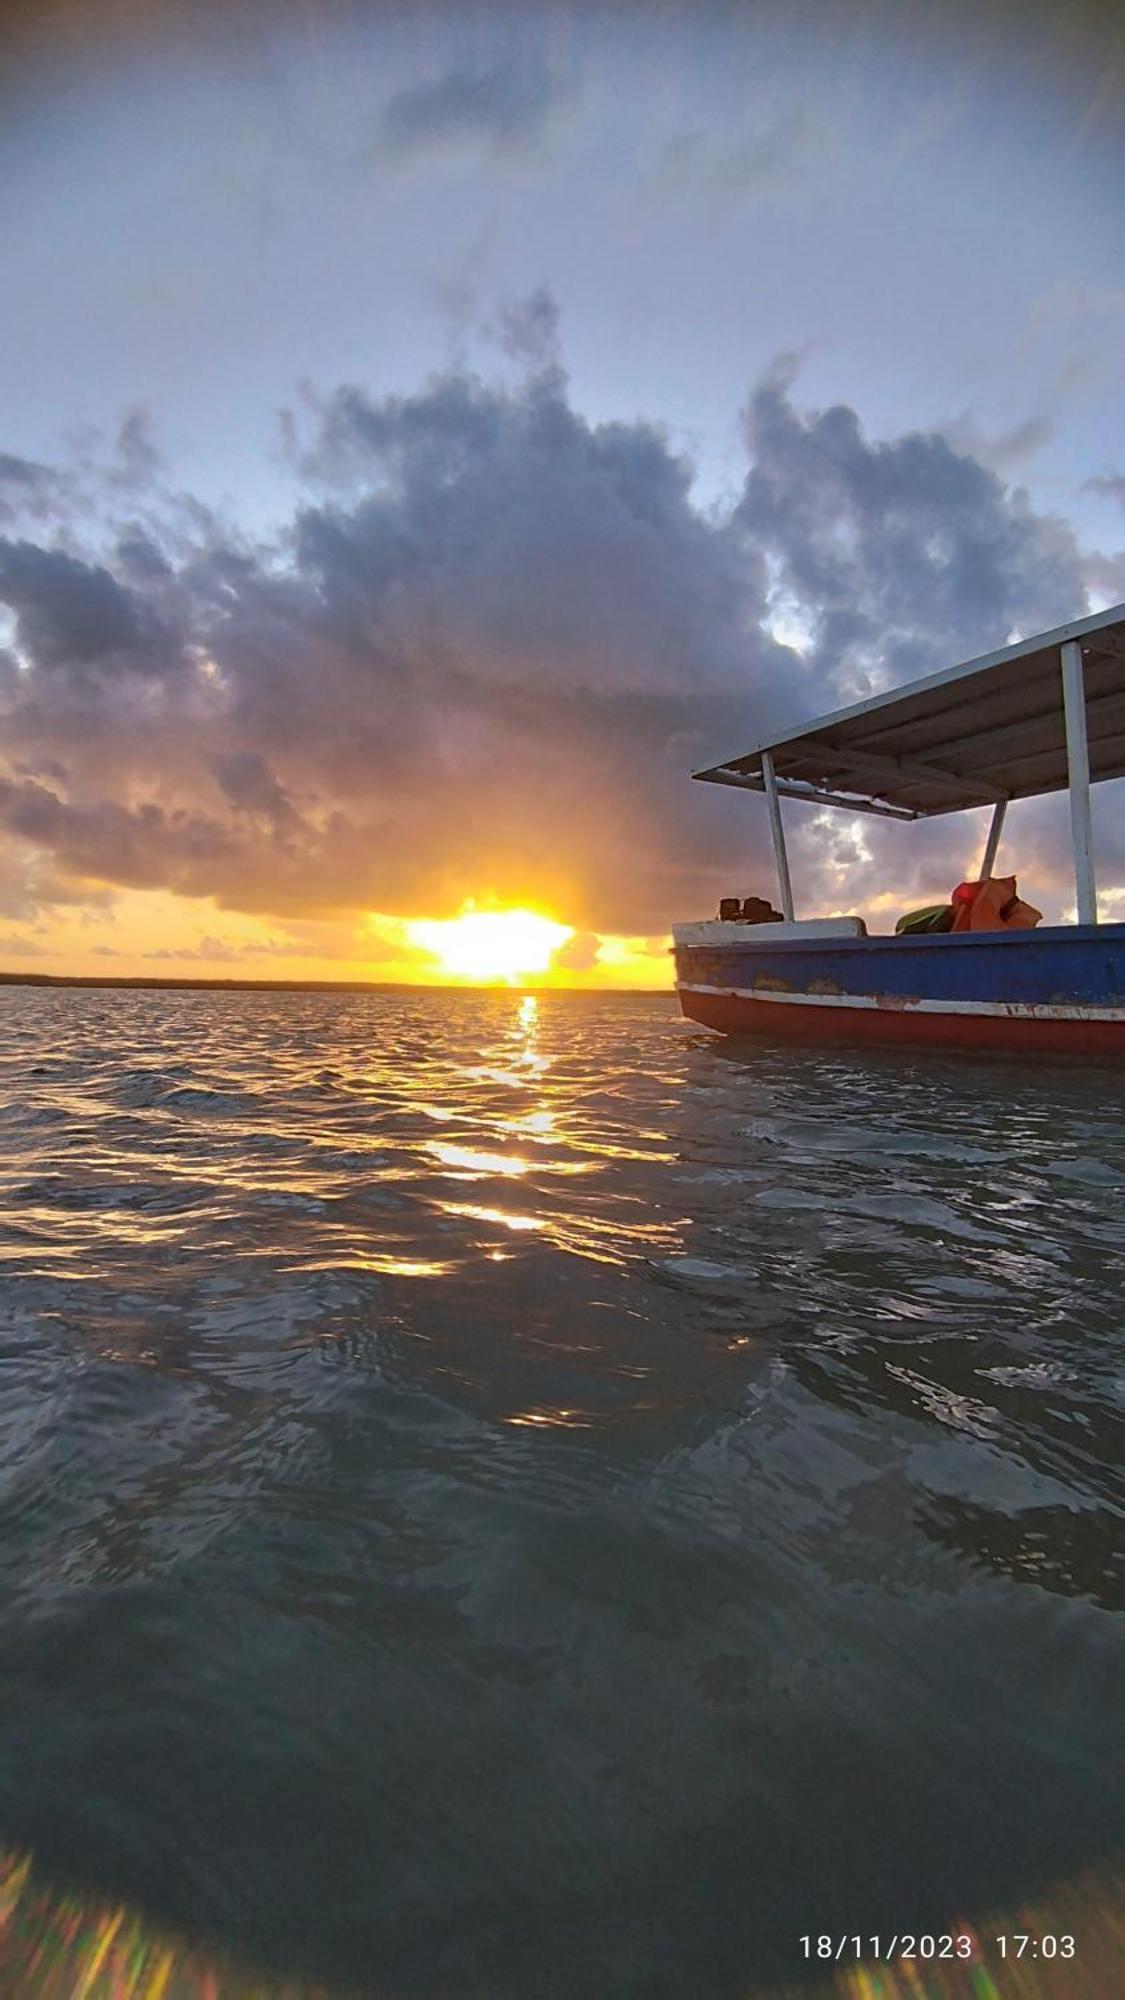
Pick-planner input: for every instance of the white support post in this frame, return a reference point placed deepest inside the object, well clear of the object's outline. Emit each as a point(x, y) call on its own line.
point(778, 832)
point(995, 827)
point(1078, 768)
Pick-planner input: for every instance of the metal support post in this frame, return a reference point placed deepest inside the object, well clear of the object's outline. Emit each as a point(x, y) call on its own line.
point(995, 827)
point(778, 833)
point(1078, 768)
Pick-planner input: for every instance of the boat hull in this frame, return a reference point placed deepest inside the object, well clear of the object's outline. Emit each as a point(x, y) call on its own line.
point(1058, 991)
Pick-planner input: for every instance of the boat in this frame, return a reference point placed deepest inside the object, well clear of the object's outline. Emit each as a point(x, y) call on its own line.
point(1044, 715)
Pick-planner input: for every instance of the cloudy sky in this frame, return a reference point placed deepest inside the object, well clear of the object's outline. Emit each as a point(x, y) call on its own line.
point(426, 436)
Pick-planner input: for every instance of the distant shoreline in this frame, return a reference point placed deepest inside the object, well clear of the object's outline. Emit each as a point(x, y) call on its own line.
point(144, 983)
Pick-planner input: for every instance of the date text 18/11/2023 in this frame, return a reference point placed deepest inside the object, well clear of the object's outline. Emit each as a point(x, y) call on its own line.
point(964, 1945)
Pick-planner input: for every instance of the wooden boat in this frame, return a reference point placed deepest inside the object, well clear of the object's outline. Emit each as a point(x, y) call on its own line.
point(1045, 715)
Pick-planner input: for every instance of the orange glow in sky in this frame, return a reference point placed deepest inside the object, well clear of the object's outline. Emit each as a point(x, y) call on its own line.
point(157, 934)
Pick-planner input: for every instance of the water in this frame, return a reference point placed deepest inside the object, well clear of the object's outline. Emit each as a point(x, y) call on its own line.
point(509, 1497)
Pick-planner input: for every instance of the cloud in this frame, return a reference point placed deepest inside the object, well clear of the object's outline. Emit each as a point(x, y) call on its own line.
point(140, 559)
point(765, 161)
point(71, 613)
point(907, 555)
point(579, 954)
point(213, 950)
point(136, 459)
point(528, 329)
point(81, 501)
point(320, 941)
point(493, 645)
point(247, 781)
point(505, 106)
point(1110, 485)
point(1000, 449)
point(32, 886)
point(1105, 576)
point(218, 949)
point(28, 490)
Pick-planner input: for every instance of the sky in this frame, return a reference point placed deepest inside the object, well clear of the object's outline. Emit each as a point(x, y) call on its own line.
point(426, 436)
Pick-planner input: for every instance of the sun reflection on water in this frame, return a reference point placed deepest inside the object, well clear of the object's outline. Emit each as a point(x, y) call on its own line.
point(504, 1217)
point(473, 1161)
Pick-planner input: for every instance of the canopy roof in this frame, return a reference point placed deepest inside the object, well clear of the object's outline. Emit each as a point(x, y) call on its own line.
point(991, 729)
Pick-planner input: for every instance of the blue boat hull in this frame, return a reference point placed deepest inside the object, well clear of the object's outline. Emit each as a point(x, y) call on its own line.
point(1055, 990)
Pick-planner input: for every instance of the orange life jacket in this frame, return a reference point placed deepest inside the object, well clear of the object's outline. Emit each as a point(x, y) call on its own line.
point(992, 905)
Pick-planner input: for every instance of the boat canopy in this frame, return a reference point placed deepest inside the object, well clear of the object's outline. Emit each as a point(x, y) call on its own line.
point(1044, 715)
point(992, 729)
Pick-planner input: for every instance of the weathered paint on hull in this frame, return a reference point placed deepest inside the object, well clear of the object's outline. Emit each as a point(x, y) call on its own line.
point(896, 1026)
point(1058, 991)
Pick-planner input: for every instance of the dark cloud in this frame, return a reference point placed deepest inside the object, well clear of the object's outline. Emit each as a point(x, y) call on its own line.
point(140, 559)
point(247, 781)
point(39, 767)
point(506, 534)
point(71, 613)
point(143, 846)
point(907, 555)
point(28, 489)
point(489, 657)
point(506, 106)
point(22, 473)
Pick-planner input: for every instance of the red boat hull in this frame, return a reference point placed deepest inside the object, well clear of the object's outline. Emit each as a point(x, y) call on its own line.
point(894, 1025)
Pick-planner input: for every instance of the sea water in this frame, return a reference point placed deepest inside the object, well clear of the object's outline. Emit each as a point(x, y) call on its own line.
point(512, 1496)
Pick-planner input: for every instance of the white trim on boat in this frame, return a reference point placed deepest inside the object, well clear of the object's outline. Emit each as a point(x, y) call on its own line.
point(893, 1004)
point(809, 930)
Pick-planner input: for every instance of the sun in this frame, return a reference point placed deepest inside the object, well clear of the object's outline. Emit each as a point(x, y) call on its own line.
point(492, 944)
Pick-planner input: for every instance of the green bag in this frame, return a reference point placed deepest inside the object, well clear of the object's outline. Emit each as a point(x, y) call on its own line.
point(935, 917)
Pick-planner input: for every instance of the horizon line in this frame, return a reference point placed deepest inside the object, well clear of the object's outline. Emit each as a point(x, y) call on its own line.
point(238, 985)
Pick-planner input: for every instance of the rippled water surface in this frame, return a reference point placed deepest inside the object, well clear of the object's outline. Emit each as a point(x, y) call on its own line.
point(512, 1497)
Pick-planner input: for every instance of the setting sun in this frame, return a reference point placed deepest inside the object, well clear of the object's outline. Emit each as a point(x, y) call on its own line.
point(492, 944)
